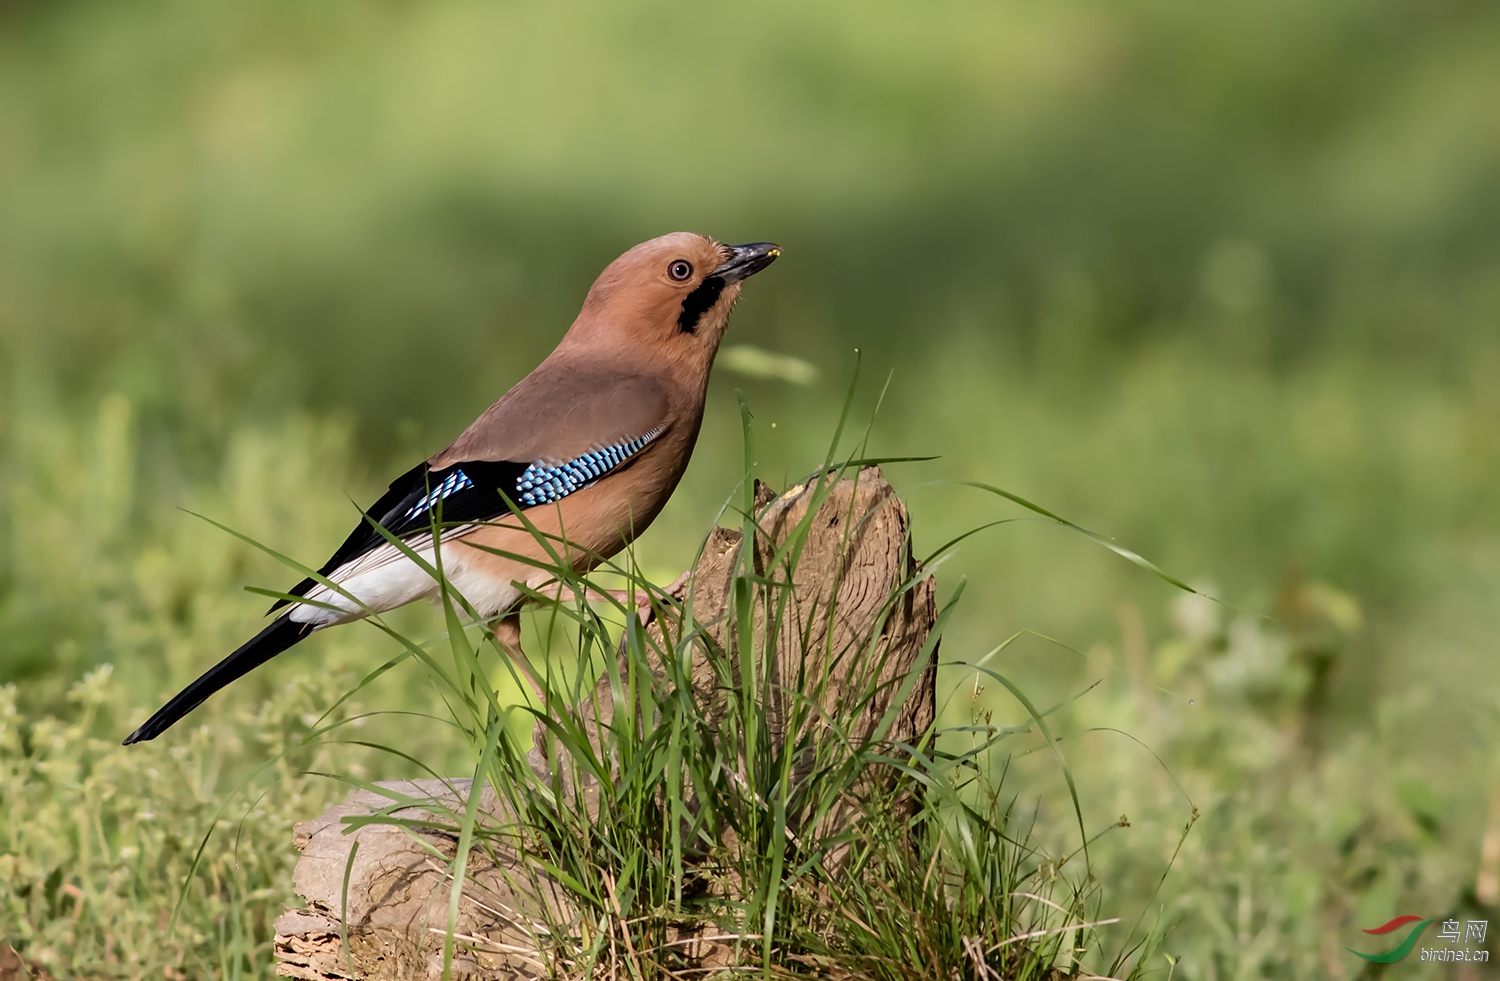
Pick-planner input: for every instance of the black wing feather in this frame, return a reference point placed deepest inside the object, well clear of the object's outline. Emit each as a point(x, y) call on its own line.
point(481, 501)
point(281, 634)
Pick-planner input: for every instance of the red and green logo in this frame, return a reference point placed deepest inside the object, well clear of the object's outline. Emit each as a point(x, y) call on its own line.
point(1404, 947)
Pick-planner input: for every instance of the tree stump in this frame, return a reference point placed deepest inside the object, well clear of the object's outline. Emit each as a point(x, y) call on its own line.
point(854, 558)
point(398, 895)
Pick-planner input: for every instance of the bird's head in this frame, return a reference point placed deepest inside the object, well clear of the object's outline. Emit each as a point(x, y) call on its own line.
point(671, 295)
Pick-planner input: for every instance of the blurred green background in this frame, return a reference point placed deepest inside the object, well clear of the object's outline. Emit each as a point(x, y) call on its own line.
point(1221, 281)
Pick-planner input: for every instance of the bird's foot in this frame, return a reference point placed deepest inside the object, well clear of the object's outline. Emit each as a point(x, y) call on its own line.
point(645, 609)
point(679, 585)
point(508, 637)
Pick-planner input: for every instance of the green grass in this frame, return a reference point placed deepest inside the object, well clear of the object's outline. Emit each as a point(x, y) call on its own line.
point(1309, 827)
point(98, 843)
point(1304, 831)
point(697, 804)
point(693, 806)
point(1217, 283)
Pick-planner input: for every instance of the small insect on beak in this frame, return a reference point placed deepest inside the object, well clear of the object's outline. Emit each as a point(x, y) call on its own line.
point(747, 260)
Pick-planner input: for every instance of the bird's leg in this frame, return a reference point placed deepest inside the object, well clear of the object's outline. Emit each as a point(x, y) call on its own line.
point(646, 613)
point(678, 584)
point(508, 637)
point(642, 598)
point(624, 597)
point(676, 590)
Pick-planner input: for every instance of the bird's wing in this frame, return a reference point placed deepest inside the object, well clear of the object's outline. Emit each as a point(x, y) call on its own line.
point(537, 445)
point(558, 413)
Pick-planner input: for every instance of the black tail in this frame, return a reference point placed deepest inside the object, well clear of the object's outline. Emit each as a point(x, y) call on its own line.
point(280, 635)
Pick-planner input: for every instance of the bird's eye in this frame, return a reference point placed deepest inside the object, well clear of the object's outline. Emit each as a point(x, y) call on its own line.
point(680, 270)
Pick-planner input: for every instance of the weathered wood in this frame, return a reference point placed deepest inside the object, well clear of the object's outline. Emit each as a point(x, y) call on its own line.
point(854, 558)
point(397, 895)
point(856, 555)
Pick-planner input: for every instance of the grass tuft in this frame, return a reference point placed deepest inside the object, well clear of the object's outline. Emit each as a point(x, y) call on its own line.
point(690, 794)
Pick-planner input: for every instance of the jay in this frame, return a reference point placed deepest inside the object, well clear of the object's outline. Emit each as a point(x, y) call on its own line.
point(589, 447)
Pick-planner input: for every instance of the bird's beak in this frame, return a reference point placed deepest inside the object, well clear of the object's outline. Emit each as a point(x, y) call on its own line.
point(747, 260)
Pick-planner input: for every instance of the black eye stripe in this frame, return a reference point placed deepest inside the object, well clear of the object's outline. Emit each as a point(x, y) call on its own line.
point(696, 303)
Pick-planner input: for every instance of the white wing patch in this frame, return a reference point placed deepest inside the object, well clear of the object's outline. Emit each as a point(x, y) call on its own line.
point(381, 579)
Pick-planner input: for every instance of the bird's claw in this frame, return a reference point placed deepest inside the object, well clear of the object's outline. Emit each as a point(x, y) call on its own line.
point(645, 609)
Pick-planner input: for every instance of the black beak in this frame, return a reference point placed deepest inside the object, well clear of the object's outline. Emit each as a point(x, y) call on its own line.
point(746, 261)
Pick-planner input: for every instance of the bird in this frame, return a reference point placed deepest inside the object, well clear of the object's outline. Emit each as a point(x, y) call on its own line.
point(586, 449)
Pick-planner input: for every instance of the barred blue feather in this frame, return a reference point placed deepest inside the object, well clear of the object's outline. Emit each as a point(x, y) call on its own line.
point(455, 482)
point(542, 483)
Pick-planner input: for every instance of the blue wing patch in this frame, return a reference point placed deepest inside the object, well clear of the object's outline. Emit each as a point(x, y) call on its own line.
point(545, 484)
point(452, 484)
point(468, 496)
